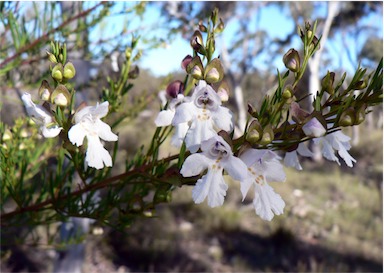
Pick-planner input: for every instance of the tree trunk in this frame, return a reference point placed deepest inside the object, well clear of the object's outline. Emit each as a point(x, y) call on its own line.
point(314, 66)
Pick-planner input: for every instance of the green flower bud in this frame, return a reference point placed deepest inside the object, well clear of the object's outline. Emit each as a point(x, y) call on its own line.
point(254, 132)
point(288, 92)
point(268, 135)
point(361, 84)
point(52, 57)
point(360, 115)
point(7, 135)
point(291, 60)
point(214, 72)
point(61, 96)
point(45, 91)
point(57, 72)
point(223, 91)
point(327, 83)
point(128, 53)
point(347, 118)
point(220, 27)
point(69, 71)
point(23, 133)
point(195, 68)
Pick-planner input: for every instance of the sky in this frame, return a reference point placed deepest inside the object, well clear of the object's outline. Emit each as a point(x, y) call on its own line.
point(165, 60)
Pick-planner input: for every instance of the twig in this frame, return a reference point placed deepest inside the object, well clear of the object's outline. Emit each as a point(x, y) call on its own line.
point(46, 35)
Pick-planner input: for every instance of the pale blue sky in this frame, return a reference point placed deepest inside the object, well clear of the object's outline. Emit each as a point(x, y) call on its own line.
point(163, 61)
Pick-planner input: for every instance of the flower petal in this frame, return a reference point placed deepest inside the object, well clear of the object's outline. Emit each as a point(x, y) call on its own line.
point(235, 167)
point(50, 132)
point(76, 134)
point(303, 150)
point(328, 151)
point(195, 164)
point(314, 128)
point(164, 118)
point(38, 113)
point(291, 160)
point(197, 133)
point(97, 155)
point(184, 113)
point(223, 119)
point(179, 135)
point(251, 156)
point(343, 153)
point(104, 131)
point(100, 110)
point(246, 184)
point(212, 185)
point(267, 202)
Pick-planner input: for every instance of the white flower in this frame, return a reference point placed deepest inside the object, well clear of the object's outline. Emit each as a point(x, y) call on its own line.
point(165, 117)
point(263, 167)
point(88, 124)
point(292, 160)
point(41, 117)
point(205, 114)
point(216, 157)
point(339, 142)
point(314, 128)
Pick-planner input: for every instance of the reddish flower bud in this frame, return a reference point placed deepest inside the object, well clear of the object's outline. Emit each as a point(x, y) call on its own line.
point(175, 88)
point(186, 61)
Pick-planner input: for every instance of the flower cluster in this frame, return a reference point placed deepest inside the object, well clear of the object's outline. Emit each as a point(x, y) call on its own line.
point(202, 116)
point(87, 124)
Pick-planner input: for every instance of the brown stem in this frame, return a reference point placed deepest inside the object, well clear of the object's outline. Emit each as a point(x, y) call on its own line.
point(98, 185)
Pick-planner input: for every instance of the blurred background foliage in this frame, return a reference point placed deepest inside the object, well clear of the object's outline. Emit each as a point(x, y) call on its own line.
point(333, 218)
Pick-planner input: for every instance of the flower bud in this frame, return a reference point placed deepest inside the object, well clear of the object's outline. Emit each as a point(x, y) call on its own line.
point(175, 88)
point(314, 43)
point(268, 135)
point(202, 27)
point(44, 91)
point(197, 42)
point(7, 135)
point(220, 27)
point(254, 132)
point(223, 91)
point(184, 63)
point(288, 92)
point(52, 57)
point(128, 52)
point(298, 114)
point(347, 118)
point(214, 71)
point(134, 73)
point(23, 133)
point(195, 68)
point(61, 96)
point(57, 72)
point(327, 83)
point(291, 60)
point(361, 84)
point(69, 71)
point(313, 128)
point(360, 115)
point(252, 110)
point(214, 15)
